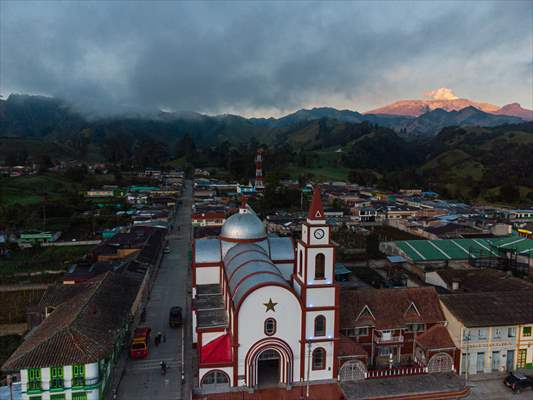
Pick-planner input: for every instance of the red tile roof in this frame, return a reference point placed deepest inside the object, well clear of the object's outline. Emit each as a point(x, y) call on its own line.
point(349, 347)
point(435, 338)
point(82, 329)
point(390, 308)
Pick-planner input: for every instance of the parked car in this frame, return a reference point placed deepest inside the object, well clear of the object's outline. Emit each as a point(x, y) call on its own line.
point(517, 381)
point(174, 317)
point(139, 343)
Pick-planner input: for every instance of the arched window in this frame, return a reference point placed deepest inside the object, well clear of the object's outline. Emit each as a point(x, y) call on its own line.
point(319, 358)
point(215, 378)
point(320, 326)
point(320, 261)
point(270, 326)
point(300, 263)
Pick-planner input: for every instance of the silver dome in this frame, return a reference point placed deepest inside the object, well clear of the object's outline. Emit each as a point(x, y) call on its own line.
point(243, 226)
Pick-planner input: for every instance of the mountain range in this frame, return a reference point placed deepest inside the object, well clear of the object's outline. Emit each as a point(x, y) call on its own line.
point(445, 99)
point(41, 117)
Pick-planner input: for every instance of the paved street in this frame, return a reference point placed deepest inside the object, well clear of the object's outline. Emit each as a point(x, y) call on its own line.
point(142, 378)
point(494, 389)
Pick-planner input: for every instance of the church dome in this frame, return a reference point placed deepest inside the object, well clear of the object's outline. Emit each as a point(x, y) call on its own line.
point(243, 226)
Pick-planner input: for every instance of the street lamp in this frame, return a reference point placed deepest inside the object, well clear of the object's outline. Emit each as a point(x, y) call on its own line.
point(467, 339)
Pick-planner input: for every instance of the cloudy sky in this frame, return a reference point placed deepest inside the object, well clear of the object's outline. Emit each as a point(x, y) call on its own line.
point(262, 59)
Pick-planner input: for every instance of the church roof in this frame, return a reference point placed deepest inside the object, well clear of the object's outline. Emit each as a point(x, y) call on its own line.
point(243, 226)
point(247, 266)
point(316, 211)
point(207, 251)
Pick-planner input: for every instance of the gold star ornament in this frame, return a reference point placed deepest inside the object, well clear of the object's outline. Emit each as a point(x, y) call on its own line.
point(270, 306)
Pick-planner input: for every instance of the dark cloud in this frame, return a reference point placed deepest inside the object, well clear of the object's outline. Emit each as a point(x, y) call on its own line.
point(258, 58)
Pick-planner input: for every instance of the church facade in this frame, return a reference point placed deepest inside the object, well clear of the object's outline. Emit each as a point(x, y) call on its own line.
point(265, 309)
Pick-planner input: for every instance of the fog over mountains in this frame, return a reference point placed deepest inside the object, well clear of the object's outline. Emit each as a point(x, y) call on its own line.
point(39, 116)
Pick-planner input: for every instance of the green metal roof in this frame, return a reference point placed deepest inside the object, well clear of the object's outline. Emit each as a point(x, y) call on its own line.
point(459, 249)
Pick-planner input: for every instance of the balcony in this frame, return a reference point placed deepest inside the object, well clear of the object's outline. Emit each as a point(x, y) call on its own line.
point(387, 339)
point(414, 369)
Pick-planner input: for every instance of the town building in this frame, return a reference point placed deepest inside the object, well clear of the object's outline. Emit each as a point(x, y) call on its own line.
point(400, 329)
point(493, 330)
point(70, 355)
point(265, 310)
point(210, 218)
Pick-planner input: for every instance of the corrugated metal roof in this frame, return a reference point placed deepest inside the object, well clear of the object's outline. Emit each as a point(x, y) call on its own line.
point(248, 265)
point(281, 248)
point(207, 251)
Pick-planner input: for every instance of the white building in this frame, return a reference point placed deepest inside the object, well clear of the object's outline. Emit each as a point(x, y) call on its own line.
point(493, 330)
point(265, 310)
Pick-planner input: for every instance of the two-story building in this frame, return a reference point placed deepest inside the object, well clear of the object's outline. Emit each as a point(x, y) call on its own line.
point(492, 329)
point(70, 355)
point(392, 328)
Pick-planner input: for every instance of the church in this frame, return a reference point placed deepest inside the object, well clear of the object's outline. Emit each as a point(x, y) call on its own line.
point(265, 309)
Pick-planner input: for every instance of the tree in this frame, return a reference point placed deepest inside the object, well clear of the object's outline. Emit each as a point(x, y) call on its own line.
point(509, 193)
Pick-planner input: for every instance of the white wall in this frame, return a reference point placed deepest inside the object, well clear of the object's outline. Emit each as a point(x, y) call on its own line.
point(207, 275)
point(210, 336)
point(326, 373)
point(288, 320)
point(320, 297)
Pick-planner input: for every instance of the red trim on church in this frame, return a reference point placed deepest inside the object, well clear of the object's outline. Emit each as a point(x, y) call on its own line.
point(316, 211)
point(217, 351)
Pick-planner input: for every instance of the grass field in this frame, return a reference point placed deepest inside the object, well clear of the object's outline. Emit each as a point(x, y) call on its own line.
point(27, 190)
point(325, 166)
point(41, 259)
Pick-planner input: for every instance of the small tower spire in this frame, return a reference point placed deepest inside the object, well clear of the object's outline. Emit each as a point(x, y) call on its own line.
point(316, 210)
point(243, 208)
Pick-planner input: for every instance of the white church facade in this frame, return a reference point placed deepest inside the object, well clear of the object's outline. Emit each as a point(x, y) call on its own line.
point(265, 309)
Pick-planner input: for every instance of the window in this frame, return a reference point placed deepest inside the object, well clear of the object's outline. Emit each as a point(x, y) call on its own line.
point(79, 396)
point(215, 378)
point(34, 379)
point(482, 333)
point(78, 375)
point(511, 332)
point(300, 262)
point(354, 332)
point(270, 326)
point(320, 266)
point(57, 397)
point(56, 377)
point(320, 325)
point(526, 331)
point(416, 328)
point(319, 358)
point(385, 351)
point(497, 333)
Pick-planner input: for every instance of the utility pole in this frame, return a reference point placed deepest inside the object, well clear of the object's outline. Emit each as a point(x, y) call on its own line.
point(308, 369)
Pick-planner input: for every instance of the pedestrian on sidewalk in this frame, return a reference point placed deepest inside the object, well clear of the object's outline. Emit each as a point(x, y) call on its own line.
point(164, 338)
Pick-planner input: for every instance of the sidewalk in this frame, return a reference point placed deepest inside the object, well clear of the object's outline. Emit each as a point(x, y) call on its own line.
point(430, 386)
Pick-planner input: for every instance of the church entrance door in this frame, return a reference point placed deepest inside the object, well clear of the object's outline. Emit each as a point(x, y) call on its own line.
point(268, 368)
